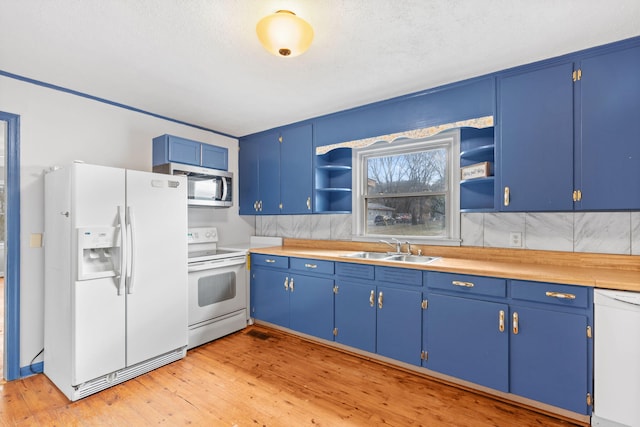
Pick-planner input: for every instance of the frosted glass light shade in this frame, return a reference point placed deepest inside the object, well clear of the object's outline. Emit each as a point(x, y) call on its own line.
point(284, 34)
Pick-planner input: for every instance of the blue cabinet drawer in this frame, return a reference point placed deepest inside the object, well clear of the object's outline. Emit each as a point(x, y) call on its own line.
point(311, 265)
point(400, 276)
point(273, 261)
point(550, 293)
point(360, 271)
point(472, 285)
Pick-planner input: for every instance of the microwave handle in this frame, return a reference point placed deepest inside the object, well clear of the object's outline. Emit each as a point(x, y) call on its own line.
point(225, 188)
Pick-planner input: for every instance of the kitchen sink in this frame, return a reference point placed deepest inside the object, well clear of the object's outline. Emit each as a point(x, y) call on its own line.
point(367, 255)
point(411, 259)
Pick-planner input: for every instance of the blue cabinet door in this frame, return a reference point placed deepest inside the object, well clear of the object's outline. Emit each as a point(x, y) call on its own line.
point(535, 138)
point(468, 339)
point(270, 296)
point(311, 305)
point(608, 162)
point(248, 158)
point(296, 155)
point(269, 174)
point(549, 357)
point(169, 148)
point(398, 324)
point(355, 314)
point(215, 157)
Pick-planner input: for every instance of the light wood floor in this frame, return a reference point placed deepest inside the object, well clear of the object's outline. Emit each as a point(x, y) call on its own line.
point(264, 377)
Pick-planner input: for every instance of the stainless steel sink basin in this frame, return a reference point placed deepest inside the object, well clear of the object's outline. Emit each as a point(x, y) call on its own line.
point(367, 255)
point(413, 259)
point(410, 259)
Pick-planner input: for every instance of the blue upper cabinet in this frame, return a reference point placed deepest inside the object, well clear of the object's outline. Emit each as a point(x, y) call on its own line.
point(214, 157)
point(535, 128)
point(566, 136)
point(608, 161)
point(296, 175)
point(259, 174)
point(275, 172)
point(169, 148)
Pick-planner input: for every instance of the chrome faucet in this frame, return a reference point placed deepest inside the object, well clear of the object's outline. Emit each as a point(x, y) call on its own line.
point(397, 245)
point(408, 247)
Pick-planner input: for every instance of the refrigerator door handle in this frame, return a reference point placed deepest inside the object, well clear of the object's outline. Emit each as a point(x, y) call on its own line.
point(131, 228)
point(120, 277)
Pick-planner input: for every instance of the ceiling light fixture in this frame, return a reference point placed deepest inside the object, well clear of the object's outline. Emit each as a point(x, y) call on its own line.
point(284, 34)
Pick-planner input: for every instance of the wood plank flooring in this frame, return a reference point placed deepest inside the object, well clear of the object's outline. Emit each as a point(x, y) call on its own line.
point(264, 377)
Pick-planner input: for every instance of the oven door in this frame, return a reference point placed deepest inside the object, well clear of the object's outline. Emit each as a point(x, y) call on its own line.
point(216, 288)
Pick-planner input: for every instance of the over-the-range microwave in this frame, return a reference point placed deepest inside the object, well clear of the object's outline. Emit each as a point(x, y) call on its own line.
point(207, 187)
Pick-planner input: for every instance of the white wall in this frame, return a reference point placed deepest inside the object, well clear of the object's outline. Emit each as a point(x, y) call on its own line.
point(57, 128)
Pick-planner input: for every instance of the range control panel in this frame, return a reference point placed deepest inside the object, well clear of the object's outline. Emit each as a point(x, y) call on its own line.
point(202, 235)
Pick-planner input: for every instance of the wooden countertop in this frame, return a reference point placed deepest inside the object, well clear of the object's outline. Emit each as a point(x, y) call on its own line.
point(621, 272)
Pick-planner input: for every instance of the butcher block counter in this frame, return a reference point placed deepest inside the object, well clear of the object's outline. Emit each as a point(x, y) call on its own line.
point(620, 272)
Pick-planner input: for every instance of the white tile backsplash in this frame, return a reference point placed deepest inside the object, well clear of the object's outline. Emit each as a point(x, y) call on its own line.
point(340, 227)
point(596, 232)
point(549, 231)
point(472, 229)
point(603, 232)
point(320, 227)
point(635, 233)
point(498, 227)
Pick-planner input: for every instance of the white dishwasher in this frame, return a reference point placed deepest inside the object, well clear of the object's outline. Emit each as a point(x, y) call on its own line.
point(616, 395)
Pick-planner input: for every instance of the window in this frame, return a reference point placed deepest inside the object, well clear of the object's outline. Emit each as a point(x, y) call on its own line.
point(408, 190)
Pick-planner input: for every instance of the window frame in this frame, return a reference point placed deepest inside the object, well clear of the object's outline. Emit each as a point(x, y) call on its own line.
point(450, 140)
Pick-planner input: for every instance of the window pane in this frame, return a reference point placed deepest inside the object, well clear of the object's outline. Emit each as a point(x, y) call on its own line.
point(419, 172)
point(410, 216)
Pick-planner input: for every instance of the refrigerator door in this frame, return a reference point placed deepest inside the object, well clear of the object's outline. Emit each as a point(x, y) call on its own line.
point(98, 313)
point(156, 286)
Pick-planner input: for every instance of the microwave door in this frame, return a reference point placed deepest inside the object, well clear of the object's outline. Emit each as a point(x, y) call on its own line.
point(225, 191)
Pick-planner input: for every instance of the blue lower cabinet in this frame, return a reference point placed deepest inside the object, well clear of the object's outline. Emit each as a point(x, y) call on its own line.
point(398, 324)
point(311, 305)
point(468, 339)
point(355, 314)
point(270, 296)
point(549, 357)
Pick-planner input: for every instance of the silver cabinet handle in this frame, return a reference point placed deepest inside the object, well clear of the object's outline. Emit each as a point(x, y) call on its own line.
point(269, 261)
point(462, 284)
point(506, 196)
point(516, 328)
point(380, 300)
point(309, 203)
point(501, 321)
point(372, 297)
point(560, 295)
point(311, 265)
point(286, 283)
point(291, 284)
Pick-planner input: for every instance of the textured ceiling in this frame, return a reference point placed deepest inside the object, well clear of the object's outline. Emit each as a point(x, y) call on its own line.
point(199, 61)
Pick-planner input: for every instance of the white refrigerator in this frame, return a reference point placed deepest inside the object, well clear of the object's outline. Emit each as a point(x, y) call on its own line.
point(115, 275)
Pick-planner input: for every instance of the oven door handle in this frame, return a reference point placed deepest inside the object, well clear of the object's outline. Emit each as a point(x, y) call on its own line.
point(217, 263)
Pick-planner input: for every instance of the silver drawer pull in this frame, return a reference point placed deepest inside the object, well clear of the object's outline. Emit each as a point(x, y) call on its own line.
point(462, 284)
point(560, 295)
point(311, 265)
point(270, 261)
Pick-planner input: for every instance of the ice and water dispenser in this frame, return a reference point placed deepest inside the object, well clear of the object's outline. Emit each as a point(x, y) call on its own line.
point(98, 252)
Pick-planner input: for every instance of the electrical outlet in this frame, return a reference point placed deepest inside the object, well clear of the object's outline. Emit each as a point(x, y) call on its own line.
point(515, 239)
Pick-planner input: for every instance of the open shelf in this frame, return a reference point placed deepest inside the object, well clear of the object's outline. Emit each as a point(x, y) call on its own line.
point(477, 146)
point(333, 182)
